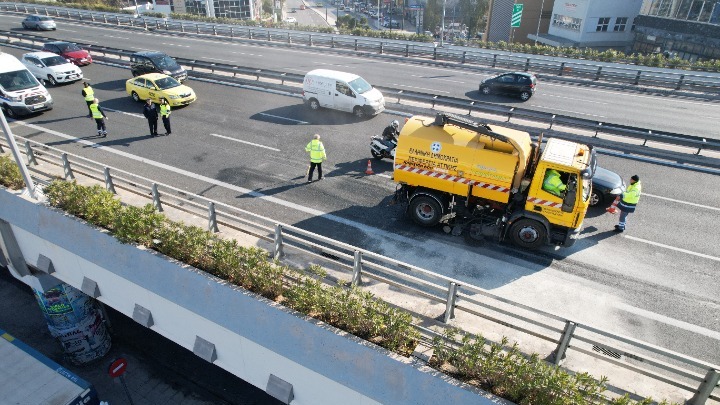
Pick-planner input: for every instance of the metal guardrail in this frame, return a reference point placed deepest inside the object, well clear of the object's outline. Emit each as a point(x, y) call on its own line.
point(598, 127)
point(689, 374)
point(467, 56)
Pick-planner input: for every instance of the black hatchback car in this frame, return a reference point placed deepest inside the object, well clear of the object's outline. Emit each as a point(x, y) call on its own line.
point(606, 185)
point(156, 62)
point(518, 83)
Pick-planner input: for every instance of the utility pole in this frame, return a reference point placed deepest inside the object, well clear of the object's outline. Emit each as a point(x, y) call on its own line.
point(537, 33)
point(442, 26)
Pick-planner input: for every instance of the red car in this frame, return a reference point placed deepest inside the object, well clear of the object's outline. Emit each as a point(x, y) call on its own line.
point(71, 52)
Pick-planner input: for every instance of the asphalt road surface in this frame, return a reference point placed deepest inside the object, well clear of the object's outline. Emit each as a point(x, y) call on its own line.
point(657, 282)
point(685, 116)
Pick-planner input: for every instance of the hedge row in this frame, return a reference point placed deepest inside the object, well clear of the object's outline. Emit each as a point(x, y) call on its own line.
point(10, 176)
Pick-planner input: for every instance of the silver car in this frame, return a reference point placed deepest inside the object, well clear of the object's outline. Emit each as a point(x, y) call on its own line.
point(38, 22)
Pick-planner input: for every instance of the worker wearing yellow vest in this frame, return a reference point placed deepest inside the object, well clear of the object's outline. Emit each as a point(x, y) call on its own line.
point(165, 115)
point(99, 116)
point(89, 95)
point(628, 201)
point(553, 183)
point(317, 155)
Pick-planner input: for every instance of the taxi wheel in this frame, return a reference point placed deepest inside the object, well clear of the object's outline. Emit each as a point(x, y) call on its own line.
point(135, 96)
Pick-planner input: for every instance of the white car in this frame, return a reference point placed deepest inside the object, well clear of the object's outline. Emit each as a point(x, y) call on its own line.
point(290, 20)
point(51, 68)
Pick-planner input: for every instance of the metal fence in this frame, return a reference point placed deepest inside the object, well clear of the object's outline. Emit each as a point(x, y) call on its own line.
point(568, 337)
point(465, 56)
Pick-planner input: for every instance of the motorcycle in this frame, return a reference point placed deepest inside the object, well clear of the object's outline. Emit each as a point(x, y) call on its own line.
point(380, 150)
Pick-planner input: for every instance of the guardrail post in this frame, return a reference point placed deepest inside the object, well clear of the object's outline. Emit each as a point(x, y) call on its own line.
point(597, 75)
point(66, 167)
point(332, 42)
point(212, 218)
point(109, 186)
point(494, 60)
point(463, 57)
point(650, 135)
point(1, 149)
point(157, 24)
point(105, 18)
point(706, 388)
point(117, 20)
point(637, 77)
point(132, 22)
point(310, 40)
point(289, 41)
point(30, 153)
point(680, 82)
point(357, 269)
point(472, 104)
point(167, 28)
point(214, 30)
point(197, 28)
point(701, 146)
point(257, 74)
point(156, 197)
point(434, 100)
point(559, 353)
point(250, 36)
point(407, 50)
point(399, 94)
point(527, 64)
point(232, 32)
point(92, 17)
point(46, 11)
point(562, 69)
point(434, 53)
point(356, 44)
point(182, 27)
point(381, 48)
point(282, 76)
point(510, 113)
point(57, 12)
point(552, 121)
point(598, 127)
point(450, 303)
point(278, 243)
point(145, 24)
point(79, 16)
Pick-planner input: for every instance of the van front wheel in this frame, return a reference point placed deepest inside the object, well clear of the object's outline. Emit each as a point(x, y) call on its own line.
point(359, 112)
point(314, 104)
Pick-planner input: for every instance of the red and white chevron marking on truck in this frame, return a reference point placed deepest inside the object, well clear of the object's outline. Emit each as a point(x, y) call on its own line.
point(545, 203)
point(443, 176)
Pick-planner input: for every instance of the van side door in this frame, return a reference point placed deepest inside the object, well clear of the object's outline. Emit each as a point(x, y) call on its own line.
point(344, 97)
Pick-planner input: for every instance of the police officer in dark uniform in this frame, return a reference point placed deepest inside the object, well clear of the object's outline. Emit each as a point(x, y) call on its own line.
point(151, 113)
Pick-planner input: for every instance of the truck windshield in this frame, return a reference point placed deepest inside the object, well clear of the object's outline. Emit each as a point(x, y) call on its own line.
point(360, 85)
point(17, 80)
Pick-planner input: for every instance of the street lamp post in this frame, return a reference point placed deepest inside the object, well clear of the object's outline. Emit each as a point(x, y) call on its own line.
point(378, 16)
point(537, 33)
point(442, 25)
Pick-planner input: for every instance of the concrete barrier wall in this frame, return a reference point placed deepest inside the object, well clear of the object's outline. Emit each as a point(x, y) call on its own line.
point(253, 337)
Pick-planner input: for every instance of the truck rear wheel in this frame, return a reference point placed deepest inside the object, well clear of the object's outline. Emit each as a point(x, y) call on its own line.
point(528, 233)
point(425, 211)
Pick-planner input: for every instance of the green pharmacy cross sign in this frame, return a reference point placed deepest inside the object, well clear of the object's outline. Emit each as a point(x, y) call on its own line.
point(516, 15)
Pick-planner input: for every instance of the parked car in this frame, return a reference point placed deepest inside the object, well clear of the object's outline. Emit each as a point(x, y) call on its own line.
point(38, 22)
point(157, 86)
point(391, 24)
point(290, 20)
point(50, 68)
point(71, 52)
point(156, 62)
point(606, 185)
point(518, 83)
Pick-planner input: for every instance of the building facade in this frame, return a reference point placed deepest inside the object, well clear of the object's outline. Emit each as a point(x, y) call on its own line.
point(687, 29)
point(600, 24)
point(240, 9)
point(535, 19)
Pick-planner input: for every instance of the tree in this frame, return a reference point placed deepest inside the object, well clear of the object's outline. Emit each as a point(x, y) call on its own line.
point(267, 6)
point(432, 16)
point(473, 15)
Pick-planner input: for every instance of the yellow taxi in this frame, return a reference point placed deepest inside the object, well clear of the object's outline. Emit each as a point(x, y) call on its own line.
point(157, 86)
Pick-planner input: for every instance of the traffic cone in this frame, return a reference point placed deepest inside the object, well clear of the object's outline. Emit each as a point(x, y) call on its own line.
point(369, 168)
point(613, 208)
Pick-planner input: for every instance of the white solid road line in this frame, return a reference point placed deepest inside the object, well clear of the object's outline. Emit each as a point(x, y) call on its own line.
point(419, 88)
point(245, 142)
point(284, 118)
point(670, 321)
point(682, 202)
point(123, 112)
point(677, 249)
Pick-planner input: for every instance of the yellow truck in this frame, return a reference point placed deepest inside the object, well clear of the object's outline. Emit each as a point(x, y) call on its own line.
point(487, 181)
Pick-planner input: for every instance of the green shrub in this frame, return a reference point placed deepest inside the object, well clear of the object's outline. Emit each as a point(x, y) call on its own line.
point(138, 225)
point(10, 176)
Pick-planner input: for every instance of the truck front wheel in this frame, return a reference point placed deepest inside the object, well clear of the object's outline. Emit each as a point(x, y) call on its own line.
point(425, 211)
point(528, 233)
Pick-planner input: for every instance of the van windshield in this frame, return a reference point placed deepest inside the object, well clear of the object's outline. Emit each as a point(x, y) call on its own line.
point(360, 85)
point(164, 62)
point(18, 80)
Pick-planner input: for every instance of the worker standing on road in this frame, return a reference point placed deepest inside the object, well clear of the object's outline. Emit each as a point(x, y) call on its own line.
point(165, 114)
point(89, 95)
point(317, 155)
point(553, 183)
point(628, 201)
point(151, 113)
point(99, 115)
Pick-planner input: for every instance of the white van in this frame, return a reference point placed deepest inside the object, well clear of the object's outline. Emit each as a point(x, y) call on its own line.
point(20, 92)
point(341, 91)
